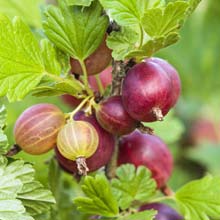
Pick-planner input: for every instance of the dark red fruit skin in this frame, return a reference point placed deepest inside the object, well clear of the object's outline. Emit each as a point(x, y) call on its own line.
point(164, 211)
point(173, 74)
point(105, 77)
point(147, 86)
point(102, 154)
point(96, 62)
point(147, 150)
point(112, 116)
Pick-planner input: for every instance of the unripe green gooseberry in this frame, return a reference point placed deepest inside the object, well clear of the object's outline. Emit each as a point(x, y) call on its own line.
point(36, 129)
point(76, 141)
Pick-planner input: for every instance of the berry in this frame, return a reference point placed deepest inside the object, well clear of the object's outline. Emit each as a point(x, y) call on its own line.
point(147, 91)
point(96, 62)
point(164, 211)
point(76, 141)
point(147, 150)
point(37, 128)
point(112, 116)
point(103, 153)
point(173, 74)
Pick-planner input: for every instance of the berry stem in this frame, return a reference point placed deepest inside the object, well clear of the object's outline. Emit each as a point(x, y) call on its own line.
point(145, 129)
point(79, 107)
point(141, 36)
point(82, 166)
point(85, 77)
point(112, 165)
point(99, 83)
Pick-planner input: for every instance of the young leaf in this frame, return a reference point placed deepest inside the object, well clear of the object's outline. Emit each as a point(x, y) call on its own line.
point(200, 199)
point(145, 215)
point(80, 2)
point(160, 22)
point(99, 200)
point(128, 12)
point(75, 31)
point(30, 13)
point(18, 186)
point(133, 185)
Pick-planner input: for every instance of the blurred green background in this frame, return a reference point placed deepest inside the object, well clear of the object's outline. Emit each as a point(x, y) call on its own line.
point(192, 130)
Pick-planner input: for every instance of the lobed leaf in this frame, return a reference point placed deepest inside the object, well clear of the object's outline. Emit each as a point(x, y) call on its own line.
point(200, 199)
point(75, 31)
point(133, 185)
point(145, 215)
point(20, 194)
point(99, 198)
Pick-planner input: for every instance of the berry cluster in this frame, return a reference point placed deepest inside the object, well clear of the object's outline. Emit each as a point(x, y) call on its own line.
point(85, 139)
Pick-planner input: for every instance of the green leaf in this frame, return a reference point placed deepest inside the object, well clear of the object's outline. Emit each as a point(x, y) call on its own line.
point(159, 22)
point(80, 2)
point(200, 199)
point(165, 130)
point(21, 63)
point(99, 200)
point(192, 6)
point(3, 137)
point(20, 194)
point(128, 12)
point(133, 185)
point(75, 31)
point(145, 215)
point(30, 13)
point(49, 55)
point(123, 43)
point(69, 86)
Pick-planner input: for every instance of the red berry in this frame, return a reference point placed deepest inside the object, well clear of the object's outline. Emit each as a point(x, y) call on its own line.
point(175, 79)
point(147, 91)
point(37, 128)
point(164, 211)
point(112, 116)
point(96, 62)
point(147, 150)
point(103, 153)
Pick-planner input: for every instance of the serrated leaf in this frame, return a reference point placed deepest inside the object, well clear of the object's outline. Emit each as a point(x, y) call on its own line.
point(49, 55)
point(99, 200)
point(75, 31)
point(165, 130)
point(128, 12)
point(145, 215)
point(30, 13)
point(160, 22)
point(200, 199)
point(192, 6)
point(122, 43)
point(21, 64)
point(18, 186)
point(80, 2)
point(133, 185)
point(3, 116)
